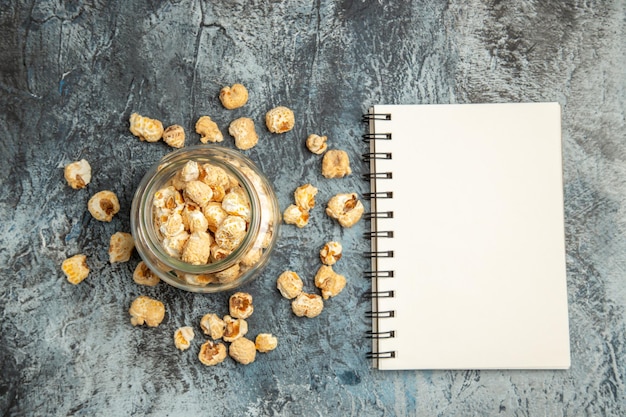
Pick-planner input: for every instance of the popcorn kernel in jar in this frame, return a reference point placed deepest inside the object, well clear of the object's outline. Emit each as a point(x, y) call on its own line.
point(345, 208)
point(235, 202)
point(329, 282)
point(229, 274)
point(197, 249)
point(103, 205)
point(183, 337)
point(198, 192)
point(150, 130)
point(212, 353)
point(240, 305)
point(331, 253)
point(144, 276)
point(75, 268)
point(289, 284)
point(78, 174)
point(174, 245)
point(231, 232)
point(308, 305)
point(121, 247)
point(208, 130)
point(265, 342)
point(212, 325)
point(234, 97)
point(243, 351)
point(336, 164)
point(174, 136)
point(190, 172)
point(279, 119)
point(215, 215)
point(146, 310)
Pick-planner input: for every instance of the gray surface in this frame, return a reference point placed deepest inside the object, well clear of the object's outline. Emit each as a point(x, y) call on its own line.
point(71, 74)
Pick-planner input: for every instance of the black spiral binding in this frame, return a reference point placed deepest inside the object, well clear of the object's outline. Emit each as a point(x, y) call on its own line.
point(375, 274)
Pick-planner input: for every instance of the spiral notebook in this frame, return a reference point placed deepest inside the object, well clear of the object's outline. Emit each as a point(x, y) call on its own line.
point(467, 237)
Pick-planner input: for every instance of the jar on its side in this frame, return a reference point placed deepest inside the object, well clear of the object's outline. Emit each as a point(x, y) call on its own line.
point(240, 266)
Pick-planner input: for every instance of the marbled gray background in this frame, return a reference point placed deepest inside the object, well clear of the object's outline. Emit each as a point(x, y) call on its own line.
point(72, 72)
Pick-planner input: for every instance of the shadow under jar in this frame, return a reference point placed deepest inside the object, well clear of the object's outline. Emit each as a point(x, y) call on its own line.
point(246, 261)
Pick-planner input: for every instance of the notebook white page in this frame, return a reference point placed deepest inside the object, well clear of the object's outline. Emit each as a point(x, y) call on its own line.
point(479, 250)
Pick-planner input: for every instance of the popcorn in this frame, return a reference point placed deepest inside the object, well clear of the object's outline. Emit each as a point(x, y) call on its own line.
point(243, 131)
point(336, 164)
point(235, 202)
point(295, 215)
point(78, 174)
point(304, 196)
point(331, 253)
point(234, 97)
point(146, 310)
point(121, 247)
point(208, 130)
point(309, 305)
point(197, 249)
point(345, 208)
point(198, 192)
point(215, 215)
point(235, 328)
point(231, 232)
point(289, 284)
point(316, 144)
point(240, 305)
point(243, 351)
point(183, 337)
point(213, 326)
point(279, 119)
point(330, 282)
point(75, 268)
point(228, 274)
point(144, 276)
point(150, 130)
point(212, 353)
point(265, 342)
point(103, 205)
point(174, 136)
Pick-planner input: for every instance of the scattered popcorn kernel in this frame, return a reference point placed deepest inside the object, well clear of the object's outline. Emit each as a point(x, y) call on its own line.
point(242, 350)
point(231, 232)
point(183, 337)
point(265, 342)
point(212, 353)
point(234, 97)
point(317, 144)
point(304, 196)
point(208, 130)
point(243, 131)
point(198, 192)
point(144, 276)
point(197, 249)
point(121, 247)
point(309, 305)
point(331, 253)
point(146, 310)
point(240, 305)
point(345, 208)
point(228, 274)
point(279, 119)
point(103, 205)
point(174, 245)
point(336, 164)
point(295, 215)
point(190, 172)
point(289, 284)
point(75, 268)
point(78, 174)
point(150, 130)
point(235, 328)
point(174, 136)
point(212, 325)
point(330, 282)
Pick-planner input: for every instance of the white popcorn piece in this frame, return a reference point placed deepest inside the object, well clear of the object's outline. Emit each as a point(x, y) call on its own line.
point(336, 164)
point(304, 196)
point(144, 276)
point(190, 172)
point(240, 305)
point(243, 351)
point(212, 325)
point(183, 337)
point(235, 328)
point(316, 144)
point(197, 249)
point(234, 97)
point(235, 202)
point(208, 130)
point(121, 247)
point(346, 208)
point(198, 192)
point(175, 245)
point(265, 342)
point(75, 268)
point(231, 232)
point(150, 130)
point(174, 136)
point(229, 274)
point(146, 310)
point(280, 119)
point(331, 253)
point(295, 215)
point(78, 174)
point(212, 353)
point(329, 282)
point(215, 215)
point(173, 225)
point(307, 305)
point(243, 131)
point(289, 284)
point(103, 205)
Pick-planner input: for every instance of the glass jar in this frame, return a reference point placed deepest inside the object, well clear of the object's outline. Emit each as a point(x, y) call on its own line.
point(237, 268)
